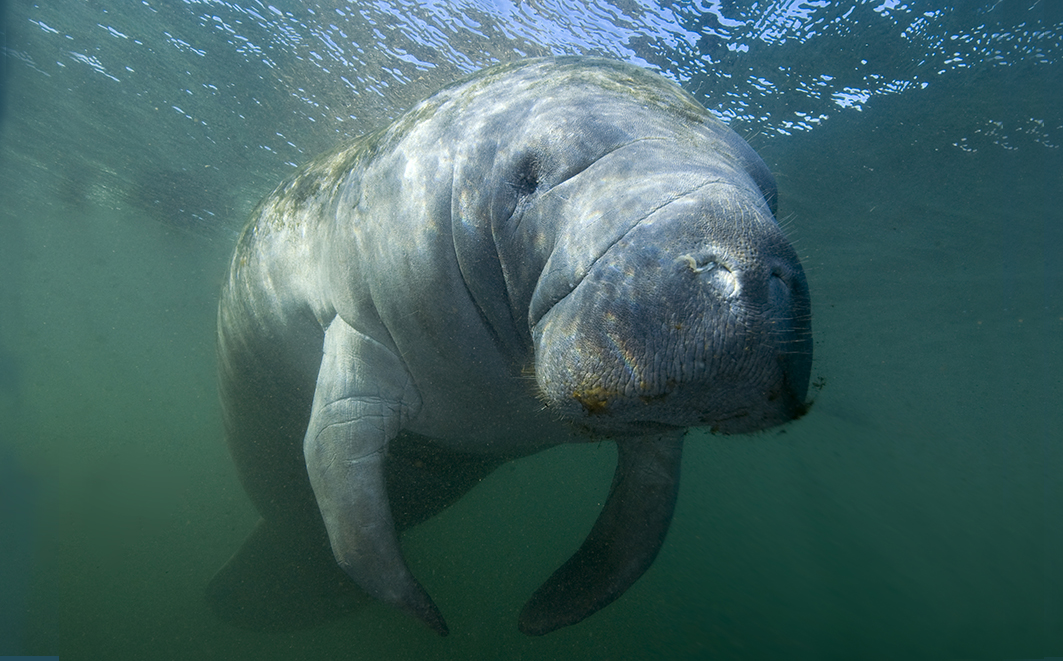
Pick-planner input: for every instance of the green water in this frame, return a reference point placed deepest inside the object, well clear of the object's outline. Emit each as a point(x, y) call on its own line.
point(916, 512)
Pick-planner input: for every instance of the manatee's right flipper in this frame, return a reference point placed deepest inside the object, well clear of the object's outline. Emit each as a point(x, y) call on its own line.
point(285, 576)
point(363, 396)
point(623, 542)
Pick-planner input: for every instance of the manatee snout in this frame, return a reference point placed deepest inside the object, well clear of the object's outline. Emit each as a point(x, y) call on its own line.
point(700, 318)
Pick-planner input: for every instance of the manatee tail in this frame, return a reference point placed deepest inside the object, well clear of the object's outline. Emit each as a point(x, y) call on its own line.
point(623, 542)
point(282, 580)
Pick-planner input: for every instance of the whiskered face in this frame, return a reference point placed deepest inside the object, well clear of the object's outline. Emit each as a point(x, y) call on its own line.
point(698, 316)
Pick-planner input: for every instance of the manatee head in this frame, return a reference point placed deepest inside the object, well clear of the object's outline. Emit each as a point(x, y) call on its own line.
point(697, 315)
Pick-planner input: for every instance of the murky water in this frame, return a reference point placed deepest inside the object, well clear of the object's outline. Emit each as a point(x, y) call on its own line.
point(916, 512)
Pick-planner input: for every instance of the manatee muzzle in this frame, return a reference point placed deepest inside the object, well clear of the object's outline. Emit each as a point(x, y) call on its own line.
point(686, 321)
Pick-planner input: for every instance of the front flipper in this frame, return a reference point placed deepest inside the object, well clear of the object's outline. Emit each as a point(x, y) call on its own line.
point(623, 542)
point(363, 397)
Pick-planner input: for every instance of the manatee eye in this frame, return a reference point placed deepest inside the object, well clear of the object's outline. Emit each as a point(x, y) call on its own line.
point(525, 179)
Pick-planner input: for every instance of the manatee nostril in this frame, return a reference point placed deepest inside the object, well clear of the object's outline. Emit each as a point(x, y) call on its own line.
point(780, 275)
point(779, 285)
point(700, 263)
point(726, 282)
point(704, 263)
point(711, 268)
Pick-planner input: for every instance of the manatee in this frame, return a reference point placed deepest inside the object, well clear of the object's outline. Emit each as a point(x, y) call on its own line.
point(559, 250)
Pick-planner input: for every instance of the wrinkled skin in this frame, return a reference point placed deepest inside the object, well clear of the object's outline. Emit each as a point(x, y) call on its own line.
point(548, 252)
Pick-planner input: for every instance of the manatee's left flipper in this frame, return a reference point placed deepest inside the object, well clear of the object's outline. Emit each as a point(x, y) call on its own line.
point(363, 396)
point(623, 542)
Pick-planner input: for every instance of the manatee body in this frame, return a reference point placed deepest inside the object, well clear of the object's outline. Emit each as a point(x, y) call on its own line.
point(555, 251)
